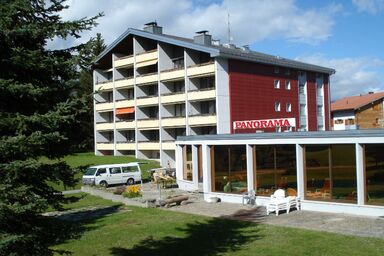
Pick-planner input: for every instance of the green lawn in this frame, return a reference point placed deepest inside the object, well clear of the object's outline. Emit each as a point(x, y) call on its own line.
point(82, 160)
point(123, 230)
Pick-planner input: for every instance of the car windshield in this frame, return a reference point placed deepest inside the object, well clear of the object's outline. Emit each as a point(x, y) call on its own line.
point(90, 171)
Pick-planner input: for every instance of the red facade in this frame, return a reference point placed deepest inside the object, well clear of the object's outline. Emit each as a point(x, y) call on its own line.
point(253, 94)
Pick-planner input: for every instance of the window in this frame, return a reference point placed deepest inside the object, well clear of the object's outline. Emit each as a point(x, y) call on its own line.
point(331, 173)
point(277, 106)
point(339, 121)
point(127, 169)
point(179, 110)
point(277, 70)
point(187, 157)
point(287, 85)
point(230, 169)
point(208, 107)
point(129, 135)
point(374, 173)
point(288, 107)
point(287, 71)
point(275, 168)
point(131, 94)
point(302, 88)
point(101, 171)
point(278, 129)
point(207, 82)
point(109, 96)
point(178, 86)
point(115, 170)
point(277, 84)
point(319, 110)
point(178, 62)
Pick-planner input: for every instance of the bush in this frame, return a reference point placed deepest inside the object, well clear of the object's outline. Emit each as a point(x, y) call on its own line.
point(132, 191)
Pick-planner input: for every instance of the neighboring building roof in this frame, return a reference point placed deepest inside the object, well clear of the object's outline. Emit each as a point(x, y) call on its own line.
point(219, 50)
point(356, 102)
point(284, 135)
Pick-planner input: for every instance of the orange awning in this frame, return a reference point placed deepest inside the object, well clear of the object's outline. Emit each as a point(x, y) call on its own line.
point(121, 111)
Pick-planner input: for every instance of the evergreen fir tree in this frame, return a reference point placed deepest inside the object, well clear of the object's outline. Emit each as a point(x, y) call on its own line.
point(39, 116)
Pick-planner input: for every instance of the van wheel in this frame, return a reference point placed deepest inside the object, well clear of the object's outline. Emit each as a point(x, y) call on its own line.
point(130, 182)
point(103, 184)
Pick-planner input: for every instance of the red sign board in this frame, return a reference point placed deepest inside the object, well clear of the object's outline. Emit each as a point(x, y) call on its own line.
point(266, 123)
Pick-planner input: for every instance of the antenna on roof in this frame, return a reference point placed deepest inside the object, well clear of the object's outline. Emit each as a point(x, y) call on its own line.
point(229, 30)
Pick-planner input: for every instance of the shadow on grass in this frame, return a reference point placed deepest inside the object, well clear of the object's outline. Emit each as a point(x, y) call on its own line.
point(213, 237)
point(57, 230)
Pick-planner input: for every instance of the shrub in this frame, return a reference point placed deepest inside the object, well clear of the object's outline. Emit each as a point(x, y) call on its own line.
point(132, 191)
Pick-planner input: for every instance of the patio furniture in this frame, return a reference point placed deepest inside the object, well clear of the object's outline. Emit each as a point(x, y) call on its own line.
point(250, 196)
point(279, 202)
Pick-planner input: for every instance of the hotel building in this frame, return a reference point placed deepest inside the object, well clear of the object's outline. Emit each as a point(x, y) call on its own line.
point(151, 88)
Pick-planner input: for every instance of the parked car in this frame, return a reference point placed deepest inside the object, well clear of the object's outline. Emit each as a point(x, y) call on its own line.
point(111, 174)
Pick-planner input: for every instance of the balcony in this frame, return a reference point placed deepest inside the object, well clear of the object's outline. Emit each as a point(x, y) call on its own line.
point(124, 103)
point(126, 125)
point(172, 75)
point(104, 86)
point(125, 82)
point(320, 100)
point(200, 120)
point(147, 78)
point(124, 62)
point(168, 145)
point(147, 101)
point(320, 120)
point(104, 126)
point(146, 59)
point(105, 146)
point(148, 123)
point(202, 94)
point(203, 69)
point(172, 98)
point(126, 146)
point(173, 121)
point(104, 107)
point(303, 120)
point(148, 145)
point(302, 98)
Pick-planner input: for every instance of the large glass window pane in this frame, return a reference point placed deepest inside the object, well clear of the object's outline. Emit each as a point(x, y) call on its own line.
point(230, 169)
point(374, 174)
point(187, 157)
point(343, 173)
point(317, 172)
point(275, 168)
point(331, 173)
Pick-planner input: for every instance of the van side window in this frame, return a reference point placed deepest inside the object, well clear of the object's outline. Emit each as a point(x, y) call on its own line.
point(115, 170)
point(129, 169)
point(101, 171)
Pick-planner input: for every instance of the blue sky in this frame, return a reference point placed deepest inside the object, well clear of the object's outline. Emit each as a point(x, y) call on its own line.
point(345, 35)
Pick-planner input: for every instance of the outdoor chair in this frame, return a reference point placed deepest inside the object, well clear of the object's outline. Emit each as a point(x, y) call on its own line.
point(279, 202)
point(249, 197)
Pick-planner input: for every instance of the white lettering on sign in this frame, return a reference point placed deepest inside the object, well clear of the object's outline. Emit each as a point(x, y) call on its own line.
point(266, 123)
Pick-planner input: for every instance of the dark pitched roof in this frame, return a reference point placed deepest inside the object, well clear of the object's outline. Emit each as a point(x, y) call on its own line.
point(356, 102)
point(219, 50)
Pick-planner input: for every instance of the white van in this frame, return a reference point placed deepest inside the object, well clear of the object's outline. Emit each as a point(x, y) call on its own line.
point(110, 174)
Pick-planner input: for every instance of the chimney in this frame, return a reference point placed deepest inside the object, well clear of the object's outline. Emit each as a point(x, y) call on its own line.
point(153, 28)
point(202, 38)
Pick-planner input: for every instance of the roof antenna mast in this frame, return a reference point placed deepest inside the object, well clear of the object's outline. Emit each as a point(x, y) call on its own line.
point(229, 30)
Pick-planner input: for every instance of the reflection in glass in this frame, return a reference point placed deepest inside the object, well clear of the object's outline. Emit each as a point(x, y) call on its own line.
point(374, 174)
point(331, 173)
point(187, 157)
point(230, 169)
point(275, 168)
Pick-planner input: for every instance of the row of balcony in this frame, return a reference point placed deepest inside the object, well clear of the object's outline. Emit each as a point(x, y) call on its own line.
point(194, 71)
point(150, 101)
point(140, 146)
point(155, 123)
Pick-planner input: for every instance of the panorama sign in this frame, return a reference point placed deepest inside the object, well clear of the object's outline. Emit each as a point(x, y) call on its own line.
point(266, 123)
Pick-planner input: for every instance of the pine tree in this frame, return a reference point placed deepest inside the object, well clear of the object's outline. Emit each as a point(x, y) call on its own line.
point(39, 116)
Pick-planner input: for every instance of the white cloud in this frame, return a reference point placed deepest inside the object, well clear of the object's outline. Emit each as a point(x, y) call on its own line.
point(250, 20)
point(353, 75)
point(370, 6)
